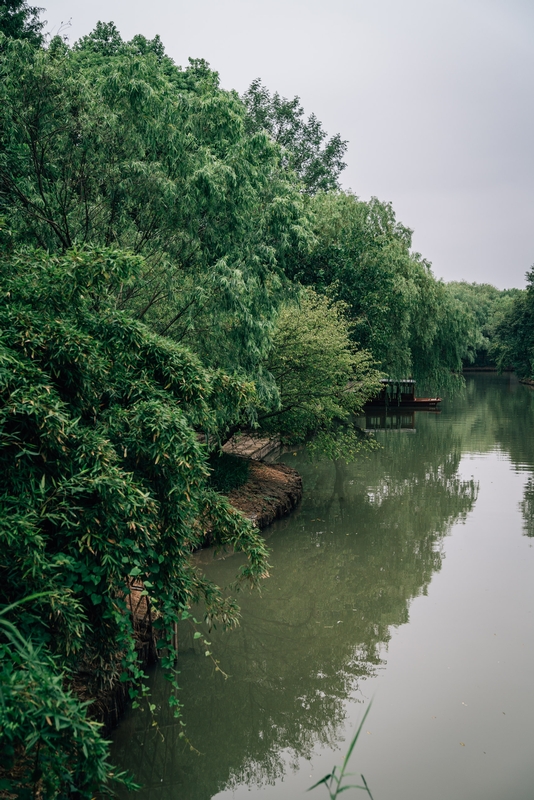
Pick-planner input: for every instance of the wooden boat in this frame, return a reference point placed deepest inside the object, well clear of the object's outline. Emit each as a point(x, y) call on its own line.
point(401, 394)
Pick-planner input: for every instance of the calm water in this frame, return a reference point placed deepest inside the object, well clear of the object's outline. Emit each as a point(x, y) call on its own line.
point(406, 577)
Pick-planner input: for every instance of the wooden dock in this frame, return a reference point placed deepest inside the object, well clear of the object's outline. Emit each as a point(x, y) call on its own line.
point(249, 446)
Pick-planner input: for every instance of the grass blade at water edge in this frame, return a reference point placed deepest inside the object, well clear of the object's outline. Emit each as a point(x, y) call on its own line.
point(331, 779)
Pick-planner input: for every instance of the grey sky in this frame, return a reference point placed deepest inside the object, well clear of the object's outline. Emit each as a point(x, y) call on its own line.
point(434, 96)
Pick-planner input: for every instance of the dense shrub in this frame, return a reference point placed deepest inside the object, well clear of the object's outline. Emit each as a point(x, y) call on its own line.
point(228, 471)
point(103, 479)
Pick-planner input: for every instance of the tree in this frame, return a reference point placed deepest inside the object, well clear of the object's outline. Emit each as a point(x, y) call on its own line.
point(322, 378)
point(111, 144)
point(103, 479)
point(488, 307)
point(105, 40)
point(514, 334)
point(398, 311)
point(318, 161)
point(18, 20)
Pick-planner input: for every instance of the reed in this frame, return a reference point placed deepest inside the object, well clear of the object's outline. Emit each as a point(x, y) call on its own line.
point(334, 780)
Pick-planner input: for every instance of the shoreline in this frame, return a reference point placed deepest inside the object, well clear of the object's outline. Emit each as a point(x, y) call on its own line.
point(271, 491)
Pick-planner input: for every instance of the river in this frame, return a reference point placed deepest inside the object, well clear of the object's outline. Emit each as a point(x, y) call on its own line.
point(405, 578)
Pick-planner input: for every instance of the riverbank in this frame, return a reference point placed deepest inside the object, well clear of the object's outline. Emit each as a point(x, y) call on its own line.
point(271, 491)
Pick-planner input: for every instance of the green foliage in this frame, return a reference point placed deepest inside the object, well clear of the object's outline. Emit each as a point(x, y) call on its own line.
point(399, 311)
point(64, 751)
point(514, 333)
point(105, 40)
point(228, 471)
point(306, 150)
point(321, 377)
point(488, 307)
point(111, 144)
point(18, 20)
point(104, 478)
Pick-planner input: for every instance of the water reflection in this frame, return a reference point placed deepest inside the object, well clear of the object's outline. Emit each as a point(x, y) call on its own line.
point(527, 508)
point(497, 413)
point(398, 421)
point(365, 541)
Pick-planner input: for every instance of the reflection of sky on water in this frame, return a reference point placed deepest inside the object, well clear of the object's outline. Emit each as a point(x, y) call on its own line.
point(363, 556)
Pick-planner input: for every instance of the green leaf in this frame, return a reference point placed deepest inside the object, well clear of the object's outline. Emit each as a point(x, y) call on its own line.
point(323, 780)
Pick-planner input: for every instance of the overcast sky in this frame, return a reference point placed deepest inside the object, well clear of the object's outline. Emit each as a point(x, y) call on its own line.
point(434, 96)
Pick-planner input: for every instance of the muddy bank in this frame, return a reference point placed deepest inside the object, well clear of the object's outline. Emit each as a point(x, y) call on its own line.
point(271, 491)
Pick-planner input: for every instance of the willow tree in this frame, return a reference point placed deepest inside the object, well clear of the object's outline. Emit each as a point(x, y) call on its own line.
point(399, 312)
point(514, 335)
point(18, 20)
point(489, 306)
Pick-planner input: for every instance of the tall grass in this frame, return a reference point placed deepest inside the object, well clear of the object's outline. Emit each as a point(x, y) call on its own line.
point(334, 780)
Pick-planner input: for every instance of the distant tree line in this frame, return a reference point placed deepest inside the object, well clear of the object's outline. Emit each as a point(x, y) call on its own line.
point(490, 309)
point(514, 333)
point(177, 264)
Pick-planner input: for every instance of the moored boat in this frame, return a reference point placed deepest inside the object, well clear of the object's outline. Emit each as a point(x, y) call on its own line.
point(401, 394)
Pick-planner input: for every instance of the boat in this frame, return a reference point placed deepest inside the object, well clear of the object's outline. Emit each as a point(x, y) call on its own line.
point(401, 394)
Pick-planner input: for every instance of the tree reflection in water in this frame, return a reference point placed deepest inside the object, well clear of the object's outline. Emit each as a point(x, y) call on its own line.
point(366, 539)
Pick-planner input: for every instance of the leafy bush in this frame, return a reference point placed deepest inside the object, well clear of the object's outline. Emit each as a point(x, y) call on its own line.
point(323, 378)
point(103, 479)
point(67, 751)
point(228, 472)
